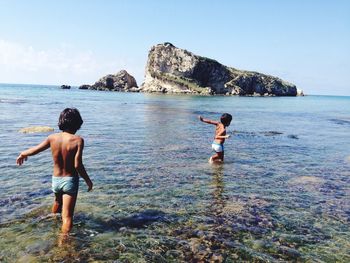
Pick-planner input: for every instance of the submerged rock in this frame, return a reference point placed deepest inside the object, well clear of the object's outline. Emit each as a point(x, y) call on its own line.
point(272, 133)
point(291, 253)
point(138, 220)
point(39, 247)
point(36, 129)
point(341, 121)
point(307, 179)
point(65, 87)
point(121, 81)
point(173, 70)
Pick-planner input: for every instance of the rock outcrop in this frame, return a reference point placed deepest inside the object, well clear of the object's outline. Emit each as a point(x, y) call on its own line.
point(173, 70)
point(65, 86)
point(300, 92)
point(35, 129)
point(122, 81)
point(85, 86)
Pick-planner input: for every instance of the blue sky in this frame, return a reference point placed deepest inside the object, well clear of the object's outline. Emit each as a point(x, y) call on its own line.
point(77, 42)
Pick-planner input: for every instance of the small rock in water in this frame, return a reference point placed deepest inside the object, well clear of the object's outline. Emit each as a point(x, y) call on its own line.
point(258, 244)
point(184, 245)
point(175, 253)
point(306, 180)
point(35, 129)
point(91, 233)
point(121, 247)
point(112, 204)
point(27, 258)
point(123, 229)
point(216, 258)
point(38, 248)
point(202, 254)
point(290, 252)
point(199, 233)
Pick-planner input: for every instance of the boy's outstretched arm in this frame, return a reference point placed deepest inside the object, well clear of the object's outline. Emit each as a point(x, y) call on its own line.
point(32, 151)
point(208, 121)
point(79, 166)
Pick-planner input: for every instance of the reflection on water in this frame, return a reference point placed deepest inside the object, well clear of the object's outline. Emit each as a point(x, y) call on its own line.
point(281, 195)
point(217, 207)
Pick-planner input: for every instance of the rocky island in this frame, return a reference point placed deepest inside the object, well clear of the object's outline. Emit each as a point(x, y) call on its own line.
point(173, 70)
point(121, 81)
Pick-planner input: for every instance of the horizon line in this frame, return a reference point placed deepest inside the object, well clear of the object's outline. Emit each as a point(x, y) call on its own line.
point(76, 86)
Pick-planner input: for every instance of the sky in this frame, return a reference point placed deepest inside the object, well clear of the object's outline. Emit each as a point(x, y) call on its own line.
point(305, 42)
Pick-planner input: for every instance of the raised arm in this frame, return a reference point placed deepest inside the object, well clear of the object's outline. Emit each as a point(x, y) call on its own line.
point(32, 151)
point(208, 121)
point(79, 166)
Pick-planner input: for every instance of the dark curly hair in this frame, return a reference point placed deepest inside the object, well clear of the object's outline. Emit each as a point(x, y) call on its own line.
point(70, 120)
point(226, 119)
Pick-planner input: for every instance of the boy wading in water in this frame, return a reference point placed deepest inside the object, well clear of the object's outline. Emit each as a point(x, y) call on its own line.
point(220, 136)
point(67, 153)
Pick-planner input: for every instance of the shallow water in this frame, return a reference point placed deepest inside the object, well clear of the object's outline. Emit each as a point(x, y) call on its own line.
point(282, 194)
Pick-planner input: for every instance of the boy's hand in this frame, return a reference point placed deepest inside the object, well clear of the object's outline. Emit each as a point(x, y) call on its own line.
point(89, 184)
point(21, 158)
point(228, 136)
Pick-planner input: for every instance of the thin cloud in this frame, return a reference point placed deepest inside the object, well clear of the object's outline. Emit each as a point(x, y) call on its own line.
point(65, 64)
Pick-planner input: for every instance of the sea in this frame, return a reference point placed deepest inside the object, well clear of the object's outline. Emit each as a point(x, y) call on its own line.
point(282, 194)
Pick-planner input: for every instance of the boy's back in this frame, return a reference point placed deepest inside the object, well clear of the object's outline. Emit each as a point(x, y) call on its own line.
point(65, 148)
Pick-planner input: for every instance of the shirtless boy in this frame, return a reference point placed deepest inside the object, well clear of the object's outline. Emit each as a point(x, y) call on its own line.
point(220, 136)
point(67, 153)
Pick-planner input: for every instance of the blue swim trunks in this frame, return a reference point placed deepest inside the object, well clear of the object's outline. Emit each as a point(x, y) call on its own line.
point(65, 184)
point(217, 147)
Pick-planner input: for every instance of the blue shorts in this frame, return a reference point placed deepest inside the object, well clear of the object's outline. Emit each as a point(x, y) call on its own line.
point(65, 184)
point(217, 147)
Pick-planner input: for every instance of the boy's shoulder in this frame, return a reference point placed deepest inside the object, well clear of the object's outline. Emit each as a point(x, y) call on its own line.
point(59, 135)
point(78, 139)
point(53, 136)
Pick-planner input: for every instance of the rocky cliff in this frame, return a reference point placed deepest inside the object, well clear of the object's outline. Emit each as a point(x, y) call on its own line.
point(173, 70)
point(122, 81)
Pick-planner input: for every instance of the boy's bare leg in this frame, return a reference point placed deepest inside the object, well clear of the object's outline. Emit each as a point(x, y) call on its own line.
point(57, 204)
point(221, 156)
point(67, 212)
point(217, 157)
point(214, 158)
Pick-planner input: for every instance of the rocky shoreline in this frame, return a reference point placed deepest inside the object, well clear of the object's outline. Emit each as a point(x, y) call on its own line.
point(173, 70)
